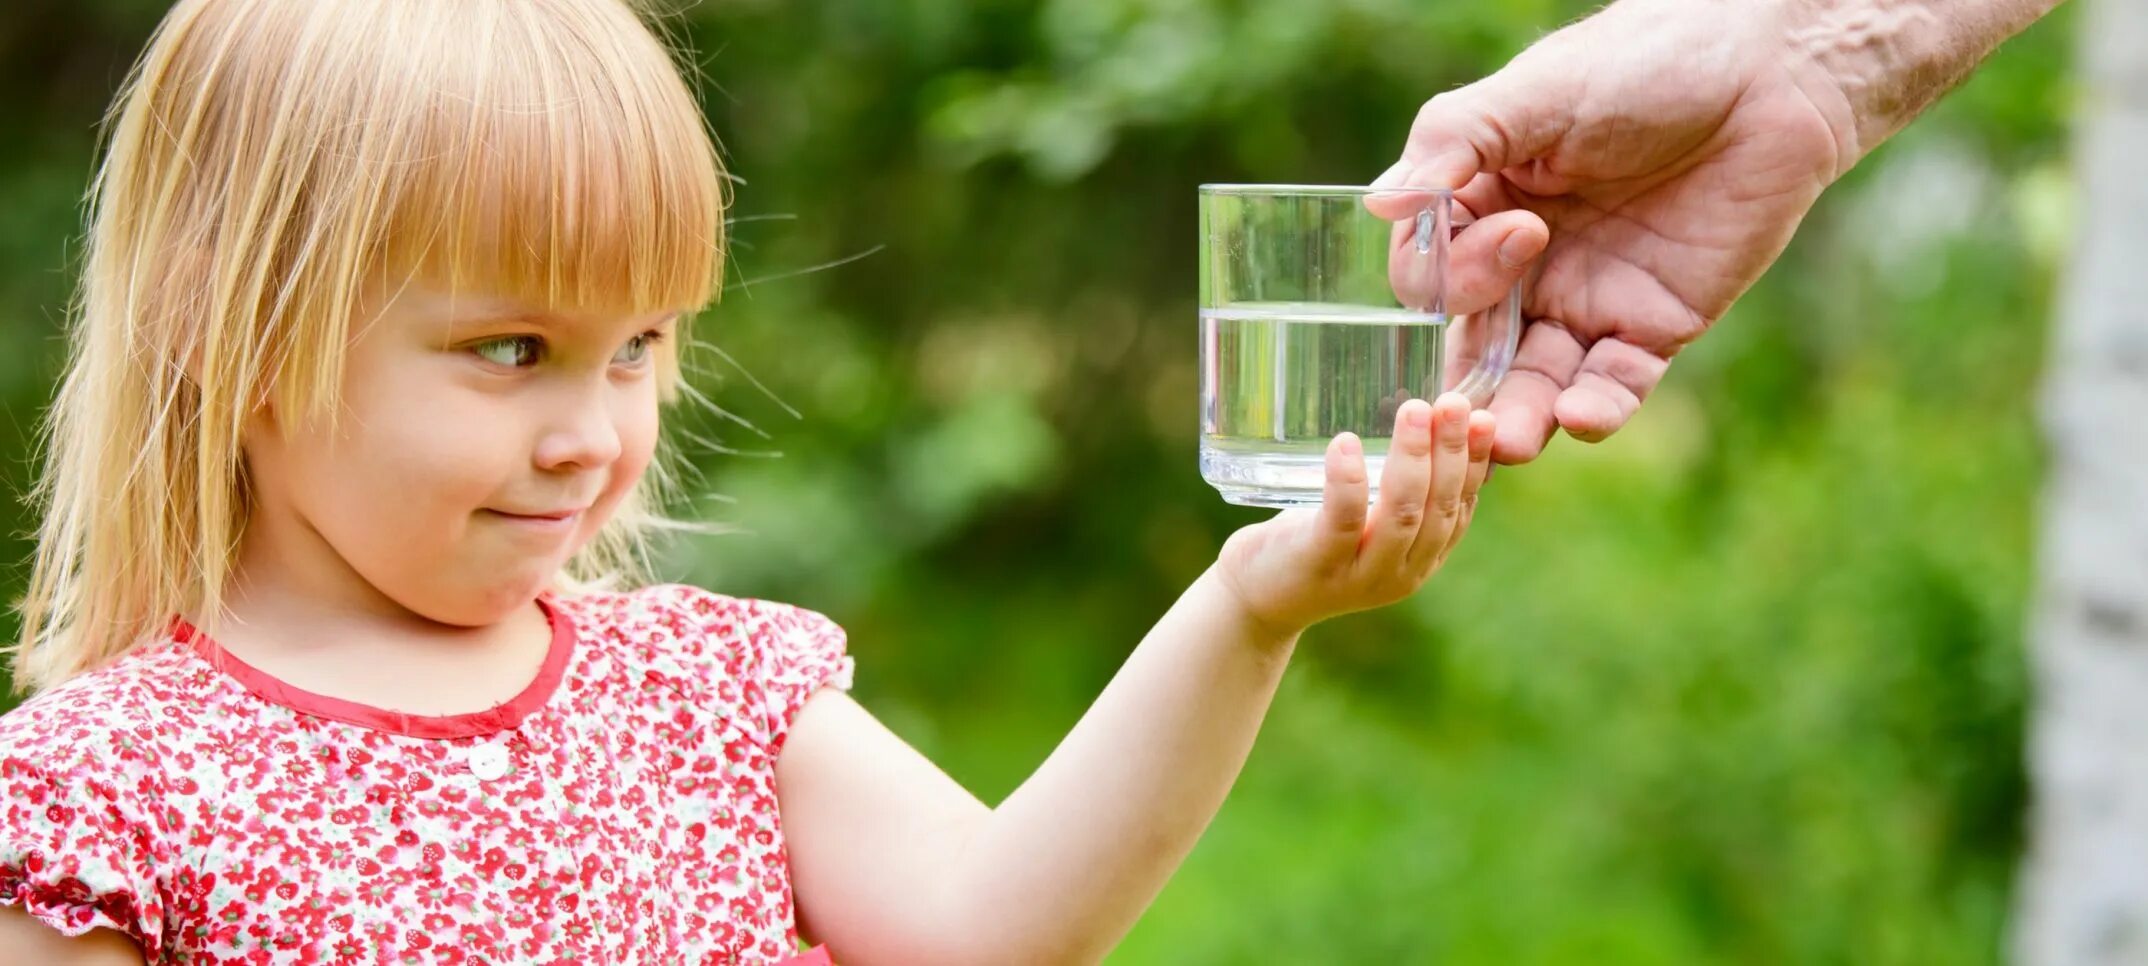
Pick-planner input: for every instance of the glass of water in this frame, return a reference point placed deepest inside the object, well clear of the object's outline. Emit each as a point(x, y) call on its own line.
point(1320, 317)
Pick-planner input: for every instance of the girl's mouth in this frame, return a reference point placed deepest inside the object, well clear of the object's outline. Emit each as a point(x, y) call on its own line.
point(546, 521)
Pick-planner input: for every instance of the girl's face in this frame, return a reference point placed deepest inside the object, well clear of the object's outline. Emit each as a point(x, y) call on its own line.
point(481, 443)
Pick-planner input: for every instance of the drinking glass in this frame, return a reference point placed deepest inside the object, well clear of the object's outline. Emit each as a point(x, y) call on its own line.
point(1319, 317)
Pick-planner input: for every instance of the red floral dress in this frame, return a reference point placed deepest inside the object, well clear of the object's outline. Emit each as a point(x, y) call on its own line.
point(621, 809)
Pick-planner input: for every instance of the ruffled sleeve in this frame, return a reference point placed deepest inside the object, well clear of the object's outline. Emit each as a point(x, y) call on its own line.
point(791, 652)
point(75, 852)
point(761, 659)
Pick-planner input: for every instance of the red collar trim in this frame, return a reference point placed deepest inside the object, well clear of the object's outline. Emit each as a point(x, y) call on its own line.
point(495, 719)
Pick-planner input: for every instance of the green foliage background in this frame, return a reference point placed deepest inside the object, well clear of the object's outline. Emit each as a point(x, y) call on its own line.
point(1743, 684)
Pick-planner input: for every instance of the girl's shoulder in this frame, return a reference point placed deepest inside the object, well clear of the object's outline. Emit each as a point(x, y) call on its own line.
point(98, 719)
point(700, 619)
point(764, 656)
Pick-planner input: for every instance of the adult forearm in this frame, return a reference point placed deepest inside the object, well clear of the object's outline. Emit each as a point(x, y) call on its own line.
point(1069, 861)
point(1890, 59)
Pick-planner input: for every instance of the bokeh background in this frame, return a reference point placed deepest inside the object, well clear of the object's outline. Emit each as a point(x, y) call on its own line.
point(1743, 684)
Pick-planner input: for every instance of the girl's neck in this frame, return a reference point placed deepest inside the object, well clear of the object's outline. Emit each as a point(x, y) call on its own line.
point(333, 633)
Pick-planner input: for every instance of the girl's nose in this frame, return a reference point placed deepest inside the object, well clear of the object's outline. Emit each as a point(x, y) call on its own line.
point(584, 437)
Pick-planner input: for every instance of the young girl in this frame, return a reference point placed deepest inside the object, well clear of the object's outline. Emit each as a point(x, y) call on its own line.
point(337, 651)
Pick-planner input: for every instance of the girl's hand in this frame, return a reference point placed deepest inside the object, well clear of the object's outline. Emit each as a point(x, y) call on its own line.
point(1304, 566)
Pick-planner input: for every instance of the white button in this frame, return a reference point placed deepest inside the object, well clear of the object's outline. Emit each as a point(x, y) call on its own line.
point(488, 762)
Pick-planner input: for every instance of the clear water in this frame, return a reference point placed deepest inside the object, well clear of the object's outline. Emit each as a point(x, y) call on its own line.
point(1280, 380)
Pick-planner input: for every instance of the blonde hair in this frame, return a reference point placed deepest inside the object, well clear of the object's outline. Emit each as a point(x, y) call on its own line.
point(269, 160)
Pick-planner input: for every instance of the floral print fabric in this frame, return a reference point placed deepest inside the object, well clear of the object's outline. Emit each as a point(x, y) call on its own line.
point(620, 810)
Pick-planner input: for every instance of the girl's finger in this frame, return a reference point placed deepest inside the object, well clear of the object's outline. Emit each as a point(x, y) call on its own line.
point(1404, 482)
point(1483, 430)
point(1343, 499)
point(1450, 473)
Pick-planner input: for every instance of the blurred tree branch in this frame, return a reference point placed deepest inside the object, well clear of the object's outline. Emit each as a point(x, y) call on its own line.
point(2084, 898)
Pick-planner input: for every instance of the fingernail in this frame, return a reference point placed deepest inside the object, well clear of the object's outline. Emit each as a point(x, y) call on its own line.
point(1349, 446)
point(1519, 247)
point(1420, 416)
point(1393, 176)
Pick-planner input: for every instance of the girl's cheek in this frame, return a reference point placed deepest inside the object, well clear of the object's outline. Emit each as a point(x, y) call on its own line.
point(637, 436)
point(637, 449)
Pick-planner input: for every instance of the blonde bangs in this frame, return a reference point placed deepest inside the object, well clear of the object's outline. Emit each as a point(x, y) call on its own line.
point(550, 165)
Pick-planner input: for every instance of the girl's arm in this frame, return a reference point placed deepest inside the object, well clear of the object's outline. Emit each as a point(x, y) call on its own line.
point(893, 862)
point(24, 941)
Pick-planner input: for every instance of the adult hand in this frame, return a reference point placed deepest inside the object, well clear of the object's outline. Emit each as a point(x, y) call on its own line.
point(1670, 147)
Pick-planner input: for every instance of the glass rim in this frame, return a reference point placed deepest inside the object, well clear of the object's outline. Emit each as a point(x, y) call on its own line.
point(1313, 190)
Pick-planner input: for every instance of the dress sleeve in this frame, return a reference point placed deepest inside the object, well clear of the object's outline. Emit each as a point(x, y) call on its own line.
point(74, 851)
point(793, 652)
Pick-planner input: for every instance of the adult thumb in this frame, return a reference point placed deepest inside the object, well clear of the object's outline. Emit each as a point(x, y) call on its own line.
point(1512, 117)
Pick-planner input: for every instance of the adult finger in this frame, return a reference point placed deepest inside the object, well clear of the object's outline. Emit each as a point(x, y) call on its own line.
point(1488, 256)
point(1611, 384)
point(1527, 399)
point(1484, 260)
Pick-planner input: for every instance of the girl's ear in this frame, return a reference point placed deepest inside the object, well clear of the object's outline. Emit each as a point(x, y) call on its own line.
point(190, 360)
point(187, 271)
point(263, 418)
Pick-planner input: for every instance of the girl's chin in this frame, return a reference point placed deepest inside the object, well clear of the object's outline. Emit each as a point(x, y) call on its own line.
point(497, 599)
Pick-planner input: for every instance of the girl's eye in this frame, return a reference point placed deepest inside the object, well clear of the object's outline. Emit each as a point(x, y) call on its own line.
point(636, 351)
point(514, 351)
